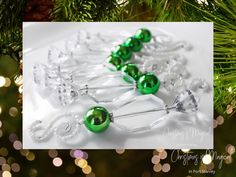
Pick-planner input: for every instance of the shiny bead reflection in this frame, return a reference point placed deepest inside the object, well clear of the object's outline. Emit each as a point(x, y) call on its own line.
point(131, 70)
point(97, 119)
point(143, 35)
point(148, 83)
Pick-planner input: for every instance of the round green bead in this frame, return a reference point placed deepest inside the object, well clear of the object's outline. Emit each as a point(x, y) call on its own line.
point(131, 70)
point(148, 83)
point(134, 44)
point(123, 52)
point(144, 35)
point(97, 119)
point(116, 61)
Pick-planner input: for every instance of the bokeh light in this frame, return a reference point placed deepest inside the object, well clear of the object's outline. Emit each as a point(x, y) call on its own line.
point(2, 160)
point(57, 161)
point(78, 154)
point(207, 159)
point(87, 169)
point(15, 167)
point(17, 145)
point(157, 167)
point(229, 159)
point(52, 153)
point(6, 174)
point(24, 152)
point(30, 156)
point(6, 167)
point(230, 149)
point(7, 82)
point(163, 154)
point(229, 109)
point(185, 150)
point(220, 120)
point(81, 163)
point(33, 172)
point(215, 123)
point(13, 111)
point(18, 80)
point(120, 151)
point(13, 137)
point(4, 152)
point(20, 89)
point(166, 167)
point(2, 81)
point(85, 155)
point(155, 159)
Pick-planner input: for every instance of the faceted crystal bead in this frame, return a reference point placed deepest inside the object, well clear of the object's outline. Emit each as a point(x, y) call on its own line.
point(198, 83)
point(173, 83)
point(154, 65)
point(45, 77)
point(64, 94)
point(56, 56)
point(186, 102)
point(179, 70)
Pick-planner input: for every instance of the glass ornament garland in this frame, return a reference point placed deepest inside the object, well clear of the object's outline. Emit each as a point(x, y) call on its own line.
point(81, 70)
point(68, 75)
point(97, 118)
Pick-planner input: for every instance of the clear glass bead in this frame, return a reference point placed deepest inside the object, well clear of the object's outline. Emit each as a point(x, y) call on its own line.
point(199, 84)
point(186, 102)
point(173, 83)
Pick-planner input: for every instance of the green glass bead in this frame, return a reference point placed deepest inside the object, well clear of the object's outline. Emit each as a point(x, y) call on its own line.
point(123, 52)
point(116, 61)
point(134, 44)
point(131, 70)
point(148, 83)
point(143, 34)
point(97, 119)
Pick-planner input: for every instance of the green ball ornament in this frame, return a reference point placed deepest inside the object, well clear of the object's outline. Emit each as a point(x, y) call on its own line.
point(131, 70)
point(134, 44)
point(148, 83)
point(144, 35)
point(116, 61)
point(97, 119)
point(123, 52)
